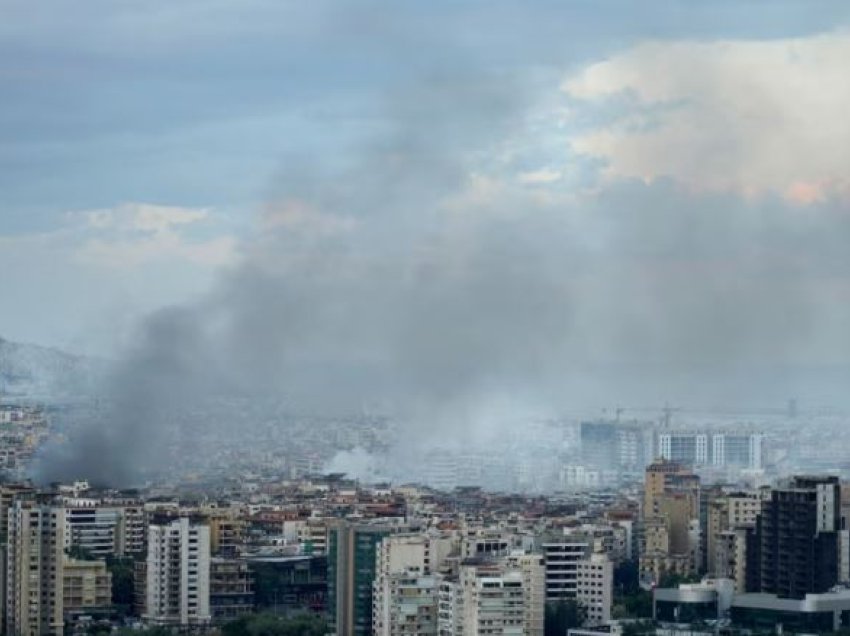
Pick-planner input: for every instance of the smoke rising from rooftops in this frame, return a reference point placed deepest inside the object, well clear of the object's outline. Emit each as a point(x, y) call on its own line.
point(427, 274)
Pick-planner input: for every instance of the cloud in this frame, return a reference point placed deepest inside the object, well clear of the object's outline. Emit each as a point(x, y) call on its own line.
point(132, 253)
point(544, 175)
point(102, 268)
point(293, 215)
point(144, 217)
point(751, 117)
point(134, 234)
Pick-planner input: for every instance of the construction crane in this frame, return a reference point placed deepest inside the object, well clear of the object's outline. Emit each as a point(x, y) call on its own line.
point(667, 414)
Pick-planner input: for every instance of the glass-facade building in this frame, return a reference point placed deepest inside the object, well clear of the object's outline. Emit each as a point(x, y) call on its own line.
point(351, 571)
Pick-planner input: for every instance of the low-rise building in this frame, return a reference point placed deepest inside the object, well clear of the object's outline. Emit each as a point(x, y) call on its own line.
point(693, 602)
point(814, 613)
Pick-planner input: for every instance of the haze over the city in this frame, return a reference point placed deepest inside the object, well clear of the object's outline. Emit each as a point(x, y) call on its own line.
point(437, 318)
point(457, 214)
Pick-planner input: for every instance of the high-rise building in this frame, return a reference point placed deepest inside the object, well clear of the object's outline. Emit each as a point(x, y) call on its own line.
point(133, 534)
point(684, 447)
point(730, 557)
point(671, 521)
point(718, 449)
point(449, 608)
point(742, 450)
point(352, 551)
point(8, 494)
point(599, 444)
point(231, 589)
point(479, 542)
point(34, 569)
point(406, 604)
point(743, 508)
point(227, 531)
point(441, 469)
point(90, 528)
point(594, 588)
point(561, 555)
point(615, 445)
point(312, 534)
point(534, 585)
point(104, 528)
point(726, 515)
point(794, 550)
point(664, 476)
point(178, 572)
point(416, 552)
point(405, 593)
point(493, 596)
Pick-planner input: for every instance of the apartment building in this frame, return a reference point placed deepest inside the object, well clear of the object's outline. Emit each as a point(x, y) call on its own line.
point(86, 590)
point(231, 589)
point(34, 569)
point(594, 588)
point(493, 597)
point(178, 572)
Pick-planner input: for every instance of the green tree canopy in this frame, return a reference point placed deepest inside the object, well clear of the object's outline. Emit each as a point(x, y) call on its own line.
point(272, 625)
point(561, 616)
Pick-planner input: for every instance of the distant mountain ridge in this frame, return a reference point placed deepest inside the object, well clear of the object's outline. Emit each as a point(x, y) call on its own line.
point(41, 372)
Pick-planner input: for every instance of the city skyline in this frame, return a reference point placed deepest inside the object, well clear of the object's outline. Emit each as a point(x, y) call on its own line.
point(374, 318)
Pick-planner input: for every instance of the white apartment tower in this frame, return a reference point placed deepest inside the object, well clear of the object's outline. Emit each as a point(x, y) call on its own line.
point(534, 587)
point(449, 608)
point(405, 593)
point(405, 604)
point(594, 588)
point(495, 598)
point(719, 449)
point(178, 572)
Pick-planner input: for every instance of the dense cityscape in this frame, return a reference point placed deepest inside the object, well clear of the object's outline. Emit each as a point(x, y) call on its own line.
point(686, 523)
point(429, 318)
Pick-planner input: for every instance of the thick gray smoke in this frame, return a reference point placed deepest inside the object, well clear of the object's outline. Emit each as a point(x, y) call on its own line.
point(416, 276)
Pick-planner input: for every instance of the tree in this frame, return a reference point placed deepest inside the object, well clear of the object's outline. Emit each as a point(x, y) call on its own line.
point(626, 578)
point(561, 616)
point(639, 628)
point(635, 605)
point(273, 625)
point(630, 601)
point(672, 579)
point(80, 553)
point(123, 583)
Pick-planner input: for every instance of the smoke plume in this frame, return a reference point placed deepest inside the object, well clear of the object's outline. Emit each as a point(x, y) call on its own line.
point(425, 274)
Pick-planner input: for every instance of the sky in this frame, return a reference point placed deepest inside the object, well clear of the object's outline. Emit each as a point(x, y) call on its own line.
point(677, 171)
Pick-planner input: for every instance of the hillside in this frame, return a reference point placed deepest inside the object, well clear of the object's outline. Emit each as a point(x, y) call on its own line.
point(42, 372)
